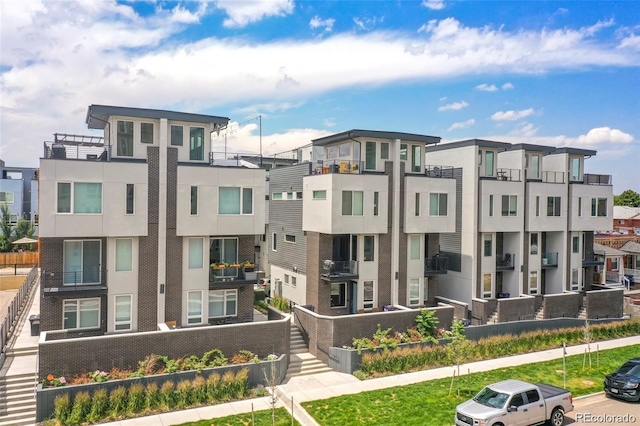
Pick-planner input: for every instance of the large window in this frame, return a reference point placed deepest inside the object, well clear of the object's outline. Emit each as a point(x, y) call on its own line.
point(81, 313)
point(196, 253)
point(486, 286)
point(177, 136)
point(6, 197)
point(416, 158)
point(403, 152)
point(223, 303)
point(370, 156)
point(124, 254)
point(81, 262)
point(575, 169)
point(553, 206)
point(599, 207)
point(235, 200)
point(488, 163)
point(194, 200)
point(79, 198)
point(369, 248)
point(223, 250)
point(125, 139)
point(533, 282)
point(146, 133)
point(384, 150)
point(414, 247)
point(338, 295)
point(194, 307)
point(437, 204)
point(122, 317)
point(352, 203)
point(414, 292)
point(509, 205)
point(533, 243)
point(488, 244)
point(130, 199)
point(534, 166)
point(196, 143)
point(368, 295)
point(575, 244)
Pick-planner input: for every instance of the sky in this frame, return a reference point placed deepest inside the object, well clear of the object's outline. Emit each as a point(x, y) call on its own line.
point(286, 72)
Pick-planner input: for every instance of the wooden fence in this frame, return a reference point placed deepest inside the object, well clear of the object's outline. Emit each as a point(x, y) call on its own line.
point(29, 258)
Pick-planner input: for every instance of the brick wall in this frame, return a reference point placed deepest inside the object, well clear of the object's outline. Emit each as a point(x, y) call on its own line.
point(313, 268)
point(516, 309)
point(605, 304)
point(385, 277)
point(481, 311)
point(460, 309)
point(173, 297)
point(562, 305)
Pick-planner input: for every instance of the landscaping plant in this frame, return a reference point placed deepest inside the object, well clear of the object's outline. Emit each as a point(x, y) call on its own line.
point(62, 408)
point(99, 405)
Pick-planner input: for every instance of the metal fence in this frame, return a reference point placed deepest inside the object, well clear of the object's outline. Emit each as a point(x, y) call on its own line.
point(8, 326)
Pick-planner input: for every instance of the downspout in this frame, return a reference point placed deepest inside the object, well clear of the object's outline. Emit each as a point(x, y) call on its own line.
point(395, 224)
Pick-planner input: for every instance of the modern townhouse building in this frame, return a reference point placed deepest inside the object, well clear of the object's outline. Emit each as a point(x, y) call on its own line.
point(19, 192)
point(358, 227)
point(134, 219)
point(527, 218)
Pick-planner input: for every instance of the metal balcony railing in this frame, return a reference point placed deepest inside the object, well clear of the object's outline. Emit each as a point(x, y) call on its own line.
point(591, 179)
point(76, 147)
point(552, 177)
point(90, 279)
point(439, 171)
point(335, 269)
point(505, 261)
point(436, 265)
point(218, 274)
point(509, 174)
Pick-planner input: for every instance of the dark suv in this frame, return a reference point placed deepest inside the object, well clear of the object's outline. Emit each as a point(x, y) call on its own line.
point(624, 383)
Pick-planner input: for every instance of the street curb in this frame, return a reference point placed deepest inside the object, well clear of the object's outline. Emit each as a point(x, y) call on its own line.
point(577, 398)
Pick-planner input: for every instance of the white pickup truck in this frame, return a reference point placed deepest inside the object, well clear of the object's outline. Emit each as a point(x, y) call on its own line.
point(514, 402)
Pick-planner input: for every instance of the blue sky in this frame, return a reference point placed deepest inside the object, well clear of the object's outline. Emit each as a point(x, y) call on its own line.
point(553, 73)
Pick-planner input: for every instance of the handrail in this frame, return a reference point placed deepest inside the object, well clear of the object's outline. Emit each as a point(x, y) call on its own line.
point(9, 322)
point(305, 334)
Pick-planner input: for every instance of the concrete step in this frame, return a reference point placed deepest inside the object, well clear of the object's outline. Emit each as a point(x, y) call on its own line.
point(539, 314)
point(16, 386)
point(307, 369)
point(10, 410)
point(26, 396)
point(18, 405)
point(19, 419)
point(32, 350)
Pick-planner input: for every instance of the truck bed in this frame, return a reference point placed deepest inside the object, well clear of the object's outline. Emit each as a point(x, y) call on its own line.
point(549, 391)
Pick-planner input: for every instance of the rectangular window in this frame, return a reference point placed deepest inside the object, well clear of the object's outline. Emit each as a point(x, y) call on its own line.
point(338, 295)
point(277, 196)
point(81, 262)
point(64, 197)
point(417, 204)
point(196, 143)
point(479, 157)
point(286, 279)
point(6, 198)
point(231, 202)
point(488, 245)
point(599, 207)
point(553, 206)
point(537, 206)
point(575, 244)
point(124, 254)
point(437, 204)
point(223, 250)
point(354, 247)
point(509, 205)
point(414, 244)
point(352, 203)
point(533, 282)
point(146, 133)
point(414, 291)
point(299, 195)
point(344, 150)
point(486, 286)
point(490, 205)
point(177, 136)
point(534, 243)
point(81, 313)
point(196, 253)
point(384, 150)
point(369, 248)
point(376, 201)
point(130, 198)
point(194, 200)
point(370, 156)
point(579, 206)
point(274, 242)
point(368, 295)
point(290, 238)
point(403, 152)
point(534, 167)
point(488, 163)
point(125, 138)
point(294, 281)
point(87, 198)
point(289, 195)
point(575, 169)
point(194, 307)
point(614, 263)
point(416, 158)
point(122, 317)
point(425, 292)
point(575, 285)
point(319, 195)
point(223, 303)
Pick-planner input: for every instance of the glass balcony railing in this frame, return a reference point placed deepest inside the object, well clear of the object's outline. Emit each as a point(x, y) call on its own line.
point(549, 260)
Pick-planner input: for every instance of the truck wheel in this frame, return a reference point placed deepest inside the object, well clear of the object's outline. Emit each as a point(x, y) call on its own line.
point(557, 417)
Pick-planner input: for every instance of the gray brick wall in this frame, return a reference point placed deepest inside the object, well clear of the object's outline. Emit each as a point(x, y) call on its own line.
point(605, 304)
point(173, 299)
point(384, 251)
point(481, 311)
point(562, 305)
point(516, 309)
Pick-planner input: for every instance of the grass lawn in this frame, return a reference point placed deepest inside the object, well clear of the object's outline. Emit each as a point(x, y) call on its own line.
point(283, 418)
point(429, 403)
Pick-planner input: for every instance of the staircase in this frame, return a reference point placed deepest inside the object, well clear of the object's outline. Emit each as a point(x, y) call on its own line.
point(540, 313)
point(582, 313)
point(301, 362)
point(18, 404)
point(16, 352)
point(493, 319)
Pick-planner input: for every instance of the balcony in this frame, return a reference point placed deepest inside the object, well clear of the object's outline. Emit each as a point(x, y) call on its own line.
point(76, 147)
point(74, 283)
point(509, 174)
point(549, 260)
point(439, 171)
point(339, 270)
point(552, 177)
point(590, 179)
point(324, 167)
point(590, 259)
point(437, 265)
point(232, 274)
point(505, 262)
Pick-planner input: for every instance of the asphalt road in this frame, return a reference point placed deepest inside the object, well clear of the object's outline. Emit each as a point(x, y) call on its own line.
point(600, 410)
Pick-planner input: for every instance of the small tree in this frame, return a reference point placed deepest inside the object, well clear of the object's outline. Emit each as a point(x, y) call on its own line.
point(587, 337)
point(427, 323)
point(457, 349)
point(7, 230)
point(628, 198)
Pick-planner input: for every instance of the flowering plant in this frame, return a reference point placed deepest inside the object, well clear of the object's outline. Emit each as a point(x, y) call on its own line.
point(52, 380)
point(99, 376)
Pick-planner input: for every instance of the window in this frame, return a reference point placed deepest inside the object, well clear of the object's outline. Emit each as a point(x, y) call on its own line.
point(194, 200)
point(574, 280)
point(534, 167)
point(338, 295)
point(614, 263)
point(509, 205)
point(425, 293)
point(352, 203)
point(575, 169)
point(376, 201)
point(384, 150)
point(235, 200)
point(344, 150)
point(537, 206)
point(290, 238)
point(369, 248)
point(533, 282)
point(81, 313)
point(85, 198)
point(130, 199)
point(416, 158)
point(6, 197)
point(177, 136)
point(81, 262)
point(274, 242)
point(575, 244)
point(488, 244)
point(579, 206)
point(125, 138)
point(488, 163)
point(533, 243)
point(194, 307)
point(196, 143)
point(414, 291)
point(553, 206)
point(299, 195)
point(403, 152)
point(417, 204)
point(293, 281)
point(599, 207)
point(437, 204)
point(354, 247)
point(414, 245)
point(318, 195)
point(223, 250)
point(122, 317)
point(289, 195)
point(490, 205)
point(146, 133)
point(517, 400)
point(370, 156)
point(124, 254)
point(277, 196)
point(532, 396)
point(223, 303)
point(486, 286)
point(368, 295)
point(196, 255)
point(479, 157)
point(286, 279)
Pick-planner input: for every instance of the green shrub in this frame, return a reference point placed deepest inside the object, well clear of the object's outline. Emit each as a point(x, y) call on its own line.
point(280, 303)
point(167, 396)
point(243, 357)
point(199, 390)
point(214, 358)
point(99, 405)
point(214, 388)
point(137, 400)
point(241, 383)
point(62, 408)
point(118, 402)
point(258, 296)
point(427, 323)
point(81, 408)
point(152, 396)
point(183, 393)
point(227, 388)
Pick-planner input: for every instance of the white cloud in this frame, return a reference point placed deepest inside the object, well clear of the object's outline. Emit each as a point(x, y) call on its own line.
point(454, 106)
point(632, 41)
point(444, 98)
point(511, 115)
point(433, 4)
point(329, 122)
point(507, 86)
point(604, 135)
point(484, 87)
point(242, 13)
point(525, 130)
point(462, 125)
point(365, 24)
point(317, 22)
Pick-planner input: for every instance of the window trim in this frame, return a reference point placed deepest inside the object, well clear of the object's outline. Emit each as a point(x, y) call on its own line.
point(225, 293)
point(127, 211)
point(171, 140)
point(487, 294)
point(241, 206)
point(274, 241)
point(72, 196)
point(117, 323)
point(5, 202)
point(417, 204)
point(64, 266)
point(353, 204)
point(342, 295)
point(369, 304)
point(415, 242)
point(193, 146)
point(533, 290)
point(79, 311)
point(116, 255)
point(118, 133)
point(201, 264)
point(289, 238)
point(193, 199)
point(439, 197)
point(510, 200)
point(554, 203)
point(410, 284)
point(487, 239)
point(194, 319)
point(372, 239)
point(142, 133)
point(595, 206)
point(320, 194)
